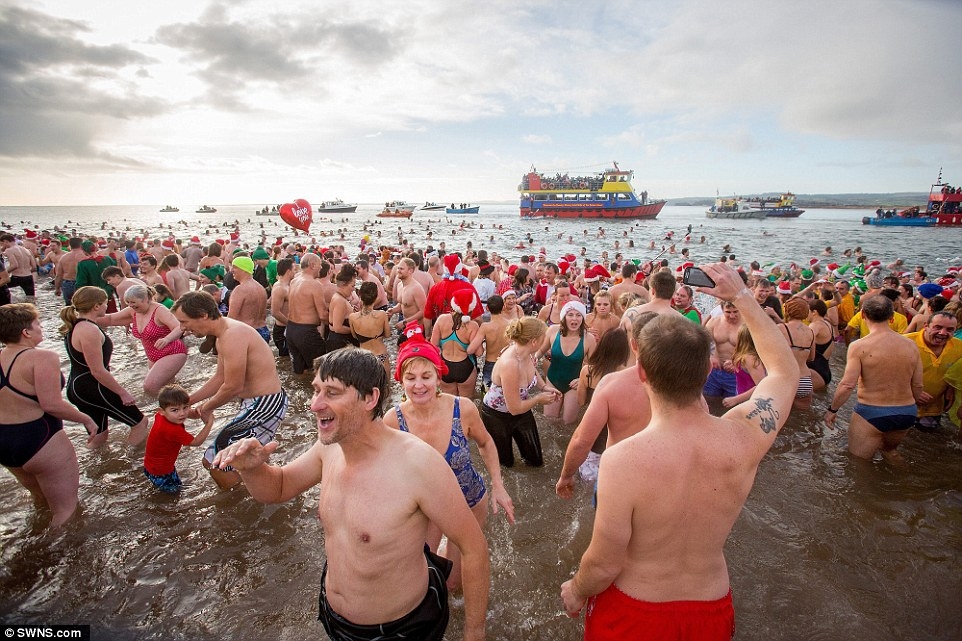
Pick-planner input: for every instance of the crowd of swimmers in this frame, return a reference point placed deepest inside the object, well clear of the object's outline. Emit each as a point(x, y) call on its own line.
point(712, 373)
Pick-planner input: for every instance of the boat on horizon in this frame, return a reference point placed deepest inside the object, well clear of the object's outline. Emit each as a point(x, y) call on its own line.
point(400, 205)
point(268, 211)
point(733, 208)
point(337, 206)
point(605, 194)
point(463, 208)
point(944, 209)
point(169, 209)
point(205, 209)
point(778, 207)
point(431, 206)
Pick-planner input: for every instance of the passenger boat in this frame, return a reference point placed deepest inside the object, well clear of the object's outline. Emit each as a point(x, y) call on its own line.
point(169, 209)
point(733, 208)
point(944, 209)
point(206, 209)
point(945, 203)
point(781, 207)
point(400, 205)
point(268, 211)
point(429, 206)
point(606, 194)
point(395, 213)
point(337, 206)
point(463, 209)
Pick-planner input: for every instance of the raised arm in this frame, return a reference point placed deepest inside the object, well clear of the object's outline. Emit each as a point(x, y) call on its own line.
point(772, 398)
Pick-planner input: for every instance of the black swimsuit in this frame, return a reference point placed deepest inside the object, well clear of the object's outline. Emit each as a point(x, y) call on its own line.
point(86, 392)
point(19, 442)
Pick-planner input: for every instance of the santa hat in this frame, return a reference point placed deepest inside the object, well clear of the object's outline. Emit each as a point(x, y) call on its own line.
point(464, 302)
point(832, 266)
point(416, 347)
point(29, 234)
point(512, 269)
point(570, 258)
point(234, 235)
point(195, 240)
point(452, 264)
point(785, 287)
point(681, 268)
point(563, 266)
point(813, 262)
point(167, 244)
point(45, 241)
point(220, 241)
point(952, 270)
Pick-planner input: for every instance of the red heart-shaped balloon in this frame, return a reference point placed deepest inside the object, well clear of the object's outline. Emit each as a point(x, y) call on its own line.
point(297, 214)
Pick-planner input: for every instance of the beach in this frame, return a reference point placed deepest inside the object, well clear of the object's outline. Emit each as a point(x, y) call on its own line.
point(827, 546)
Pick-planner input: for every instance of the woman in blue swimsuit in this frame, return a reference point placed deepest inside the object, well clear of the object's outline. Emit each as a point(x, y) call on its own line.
point(447, 423)
point(33, 445)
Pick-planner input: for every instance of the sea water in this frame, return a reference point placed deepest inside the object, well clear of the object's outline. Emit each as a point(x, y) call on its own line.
point(827, 547)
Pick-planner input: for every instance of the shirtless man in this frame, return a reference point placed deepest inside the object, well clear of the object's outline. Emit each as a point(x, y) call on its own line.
point(669, 495)
point(51, 255)
point(628, 284)
point(148, 271)
point(114, 276)
point(411, 299)
point(425, 278)
point(65, 272)
point(608, 415)
point(245, 370)
point(178, 278)
point(280, 305)
point(724, 333)
point(379, 581)
point(21, 265)
point(662, 285)
point(887, 369)
point(492, 334)
point(307, 314)
point(248, 301)
point(364, 273)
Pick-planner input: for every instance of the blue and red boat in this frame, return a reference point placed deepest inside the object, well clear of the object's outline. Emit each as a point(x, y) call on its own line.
point(606, 194)
point(944, 209)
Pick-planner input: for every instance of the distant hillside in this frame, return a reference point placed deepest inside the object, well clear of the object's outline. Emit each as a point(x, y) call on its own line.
point(823, 201)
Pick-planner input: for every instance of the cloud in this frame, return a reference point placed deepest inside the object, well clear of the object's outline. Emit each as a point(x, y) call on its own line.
point(60, 93)
point(534, 139)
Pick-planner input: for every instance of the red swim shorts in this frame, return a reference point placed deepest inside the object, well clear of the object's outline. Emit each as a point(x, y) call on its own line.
point(615, 616)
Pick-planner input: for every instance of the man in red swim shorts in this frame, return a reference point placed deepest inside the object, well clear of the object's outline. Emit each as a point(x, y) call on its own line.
point(669, 495)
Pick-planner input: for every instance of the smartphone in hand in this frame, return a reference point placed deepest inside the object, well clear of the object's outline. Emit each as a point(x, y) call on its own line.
point(697, 278)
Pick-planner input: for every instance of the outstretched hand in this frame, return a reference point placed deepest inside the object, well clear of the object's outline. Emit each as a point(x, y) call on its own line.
point(245, 454)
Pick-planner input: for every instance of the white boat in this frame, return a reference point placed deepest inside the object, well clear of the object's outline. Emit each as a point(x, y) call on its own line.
point(733, 209)
point(399, 205)
point(429, 206)
point(337, 206)
point(169, 209)
point(463, 208)
point(206, 209)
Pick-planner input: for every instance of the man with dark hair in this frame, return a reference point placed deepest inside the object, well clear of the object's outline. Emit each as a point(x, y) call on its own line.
point(379, 581)
point(65, 271)
point(939, 350)
point(662, 286)
point(887, 369)
point(280, 305)
point(669, 495)
point(246, 369)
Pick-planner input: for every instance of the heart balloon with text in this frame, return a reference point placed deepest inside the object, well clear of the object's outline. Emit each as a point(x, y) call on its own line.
point(297, 214)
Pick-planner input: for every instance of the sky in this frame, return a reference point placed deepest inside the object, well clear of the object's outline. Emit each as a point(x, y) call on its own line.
point(193, 102)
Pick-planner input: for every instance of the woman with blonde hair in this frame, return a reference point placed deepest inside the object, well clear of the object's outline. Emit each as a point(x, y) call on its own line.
point(749, 370)
point(91, 387)
point(506, 408)
point(159, 333)
point(33, 444)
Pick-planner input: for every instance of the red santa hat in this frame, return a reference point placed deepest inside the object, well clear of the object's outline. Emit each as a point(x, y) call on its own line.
point(234, 235)
point(563, 266)
point(832, 266)
point(220, 241)
point(785, 287)
point(464, 302)
point(813, 262)
point(195, 240)
point(168, 244)
point(452, 265)
point(29, 234)
point(416, 347)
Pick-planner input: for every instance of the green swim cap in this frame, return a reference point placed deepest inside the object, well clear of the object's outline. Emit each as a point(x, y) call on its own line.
point(244, 263)
point(260, 254)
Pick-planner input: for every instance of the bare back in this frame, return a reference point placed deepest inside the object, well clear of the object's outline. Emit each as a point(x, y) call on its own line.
point(306, 301)
point(886, 363)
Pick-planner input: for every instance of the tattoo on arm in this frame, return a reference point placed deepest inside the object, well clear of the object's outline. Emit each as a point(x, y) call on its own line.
point(766, 414)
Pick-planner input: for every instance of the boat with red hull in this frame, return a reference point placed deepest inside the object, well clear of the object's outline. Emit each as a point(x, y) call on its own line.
point(606, 194)
point(944, 209)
